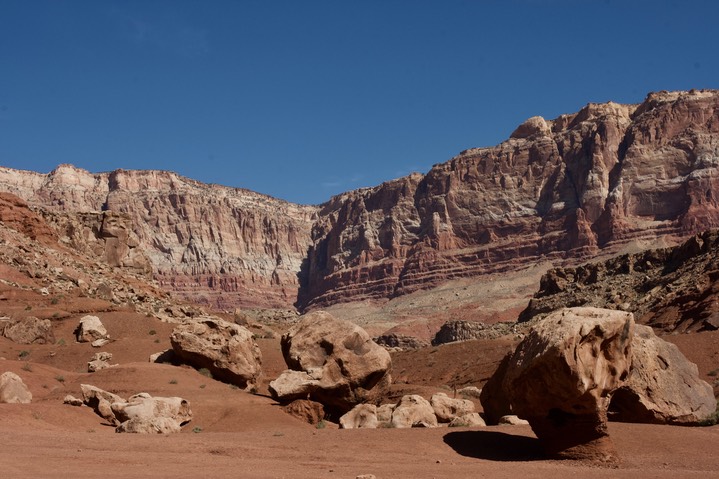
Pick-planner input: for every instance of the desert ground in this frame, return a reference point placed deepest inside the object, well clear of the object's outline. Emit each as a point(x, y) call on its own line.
point(237, 434)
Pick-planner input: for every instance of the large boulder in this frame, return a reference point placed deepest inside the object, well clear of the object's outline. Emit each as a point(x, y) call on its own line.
point(664, 386)
point(562, 375)
point(13, 390)
point(493, 397)
point(361, 416)
point(226, 349)
point(28, 331)
point(140, 413)
point(446, 408)
point(90, 329)
point(305, 410)
point(413, 411)
point(331, 361)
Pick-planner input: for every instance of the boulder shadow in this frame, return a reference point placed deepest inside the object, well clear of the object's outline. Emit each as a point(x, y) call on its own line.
point(495, 446)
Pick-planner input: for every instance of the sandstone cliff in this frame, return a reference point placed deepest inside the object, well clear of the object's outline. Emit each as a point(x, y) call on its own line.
point(207, 243)
point(568, 188)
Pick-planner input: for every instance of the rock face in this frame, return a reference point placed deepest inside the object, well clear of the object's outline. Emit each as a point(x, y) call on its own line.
point(332, 361)
point(207, 243)
point(663, 388)
point(670, 289)
point(562, 376)
point(595, 180)
point(226, 349)
point(400, 341)
point(28, 331)
point(13, 390)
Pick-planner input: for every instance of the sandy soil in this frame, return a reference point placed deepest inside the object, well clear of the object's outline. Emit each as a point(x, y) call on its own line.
point(237, 434)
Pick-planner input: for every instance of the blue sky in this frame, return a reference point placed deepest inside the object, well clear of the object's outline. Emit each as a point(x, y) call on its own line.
point(305, 99)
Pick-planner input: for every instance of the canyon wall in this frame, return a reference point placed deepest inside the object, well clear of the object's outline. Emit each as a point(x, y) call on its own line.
point(563, 189)
point(568, 188)
point(206, 243)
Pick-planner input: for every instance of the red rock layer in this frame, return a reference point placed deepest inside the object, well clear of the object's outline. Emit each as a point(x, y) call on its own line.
point(571, 187)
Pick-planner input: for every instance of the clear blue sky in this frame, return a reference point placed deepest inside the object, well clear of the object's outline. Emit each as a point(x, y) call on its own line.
point(305, 99)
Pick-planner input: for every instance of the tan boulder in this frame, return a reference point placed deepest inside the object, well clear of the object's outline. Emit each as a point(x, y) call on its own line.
point(13, 390)
point(446, 408)
point(562, 375)
point(100, 361)
point(30, 330)
point(413, 411)
point(472, 419)
point(145, 414)
point(361, 416)
point(512, 420)
point(226, 349)
point(342, 366)
point(100, 401)
point(90, 330)
point(664, 386)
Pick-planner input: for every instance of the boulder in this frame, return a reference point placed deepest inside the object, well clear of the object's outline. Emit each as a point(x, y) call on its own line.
point(331, 361)
point(664, 386)
point(166, 356)
point(446, 408)
point(384, 413)
point(28, 331)
point(472, 419)
point(226, 349)
point(90, 329)
point(100, 361)
point(140, 413)
point(400, 341)
point(413, 411)
point(562, 375)
point(493, 397)
point(361, 416)
point(72, 400)
point(13, 390)
point(308, 411)
point(145, 414)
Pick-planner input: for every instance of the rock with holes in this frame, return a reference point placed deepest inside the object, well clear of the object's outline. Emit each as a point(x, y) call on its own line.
point(226, 349)
point(331, 361)
point(361, 416)
point(13, 390)
point(90, 330)
point(413, 411)
point(446, 408)
point(664, 386)
point(562, 376)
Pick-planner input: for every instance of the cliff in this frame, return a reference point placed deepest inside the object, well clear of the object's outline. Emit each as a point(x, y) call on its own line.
point(207, 243)
point(558, 190)
point(568, 188)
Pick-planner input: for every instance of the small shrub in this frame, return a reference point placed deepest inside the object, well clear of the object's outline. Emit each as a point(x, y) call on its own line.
point(205, 372)
point(152, 332)
point(23, 354)
point(27, 367)
point(60, 379)
point(28, 307)
point(202, 386)
point(173, 381)
point(713, 373)
point(60, 342)
point(712, 419)
point(234, 386)
point(157, 340)
point(322, 424)
point(196, 429)
point(55, 300)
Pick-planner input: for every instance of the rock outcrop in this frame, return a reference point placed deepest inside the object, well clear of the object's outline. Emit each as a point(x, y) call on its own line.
point(598, 180)
point(13, 390)
point(663, 388)
point(670, 289)
point(332, 361)
point(562, 376)
point(207, 243)
point(227, 350)
point(568, 188)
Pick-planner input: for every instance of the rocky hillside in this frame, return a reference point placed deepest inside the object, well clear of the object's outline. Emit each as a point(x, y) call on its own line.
point(207, 243)
point(670, 289)
point(592, 182)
